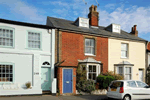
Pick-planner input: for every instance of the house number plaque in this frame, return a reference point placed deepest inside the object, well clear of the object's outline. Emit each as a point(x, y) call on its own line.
point(36, 73)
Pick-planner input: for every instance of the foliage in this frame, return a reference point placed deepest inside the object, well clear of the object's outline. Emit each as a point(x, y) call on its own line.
point(111, 73)
point(82, 83)
point(81, 73)
point(104, 81)
point(86, 86)
point(28, 85)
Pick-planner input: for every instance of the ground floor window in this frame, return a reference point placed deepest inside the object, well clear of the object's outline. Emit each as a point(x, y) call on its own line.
point(92, 70)
point(125, 71)
point(6, 72)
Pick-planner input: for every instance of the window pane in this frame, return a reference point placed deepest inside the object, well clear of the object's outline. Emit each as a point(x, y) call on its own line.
point(87, 42)
point(92, 42)
point(87, 50)
point(94, 68)
point(123, 54)
point(93, 50)
point(131, 84)
point(5, 73)
point(33, 40)
point(128, 77)
point(124, 47)
point(120, 70)
point(128, 70)
point(141, 84)
point(90, 68)
point(94, 76)
point(90, 75)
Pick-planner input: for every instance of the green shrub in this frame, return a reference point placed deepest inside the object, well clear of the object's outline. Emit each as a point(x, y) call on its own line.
point(111, 73)
point(104, 81)
point(86, 86)
point(28, 85)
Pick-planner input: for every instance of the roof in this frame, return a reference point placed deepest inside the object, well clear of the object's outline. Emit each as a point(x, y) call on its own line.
point(24, 24)
point(89, 60)
point(124, 63)
point(69, 25)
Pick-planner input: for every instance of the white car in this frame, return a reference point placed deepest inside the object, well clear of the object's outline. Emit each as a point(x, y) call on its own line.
point(128, 90)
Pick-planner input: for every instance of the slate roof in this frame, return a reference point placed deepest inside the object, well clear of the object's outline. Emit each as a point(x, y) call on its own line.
point(69, 25)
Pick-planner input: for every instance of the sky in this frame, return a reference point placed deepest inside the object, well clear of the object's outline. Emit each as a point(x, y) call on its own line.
point(124, 12)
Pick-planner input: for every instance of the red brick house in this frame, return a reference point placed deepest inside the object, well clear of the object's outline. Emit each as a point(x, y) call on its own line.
point(80, 42)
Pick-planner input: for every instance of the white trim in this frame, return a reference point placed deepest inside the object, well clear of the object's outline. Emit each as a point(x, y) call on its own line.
point(63, 79)
point(88, 54)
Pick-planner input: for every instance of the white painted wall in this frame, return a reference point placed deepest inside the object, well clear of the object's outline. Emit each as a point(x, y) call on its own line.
point(27, 62)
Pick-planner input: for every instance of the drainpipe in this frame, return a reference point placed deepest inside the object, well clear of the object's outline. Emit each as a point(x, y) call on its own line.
point(53, 80)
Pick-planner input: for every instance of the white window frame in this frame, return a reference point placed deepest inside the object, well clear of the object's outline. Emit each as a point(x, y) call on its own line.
point(123, 68)
point(92, 47)
point(7, 37)
point(98, 69)
point(34, 40)
point(127, 50)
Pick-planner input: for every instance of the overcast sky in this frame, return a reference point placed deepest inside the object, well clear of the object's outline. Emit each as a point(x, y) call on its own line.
point(124, 12)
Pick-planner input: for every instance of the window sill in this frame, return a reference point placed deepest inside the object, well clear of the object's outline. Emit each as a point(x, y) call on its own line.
point(124, 57)
point(33, 49)
point(6, 47)
point(89, 55)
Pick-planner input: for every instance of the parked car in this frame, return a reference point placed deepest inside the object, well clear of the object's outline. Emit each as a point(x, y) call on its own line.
point(128, 90)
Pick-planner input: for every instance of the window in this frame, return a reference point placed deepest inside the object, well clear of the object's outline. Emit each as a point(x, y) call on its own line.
point(92, 72)
point(125, 71)
point(131, 84)
point(34, 40)
point(141, 84)
point(6, 73)
point(128, 73)
point(120, 71)
point(6, 37)
point(124, 50)
point(116, 84)
point(89, 46)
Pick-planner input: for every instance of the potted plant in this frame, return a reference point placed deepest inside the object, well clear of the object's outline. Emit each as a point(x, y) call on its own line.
point(28, 85)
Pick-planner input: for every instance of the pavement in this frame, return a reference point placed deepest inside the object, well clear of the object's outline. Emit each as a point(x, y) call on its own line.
point(50, 97)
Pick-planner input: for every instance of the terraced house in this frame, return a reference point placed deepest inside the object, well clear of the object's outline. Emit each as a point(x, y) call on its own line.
point(26, 55)
point(98, 48)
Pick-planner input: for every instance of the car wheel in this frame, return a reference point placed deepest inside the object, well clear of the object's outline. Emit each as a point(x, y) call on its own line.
point(127, 97)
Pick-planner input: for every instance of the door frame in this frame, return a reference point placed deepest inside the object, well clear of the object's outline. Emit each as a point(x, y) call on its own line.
point(142, 74)
point(63, 79)
point(50, 75)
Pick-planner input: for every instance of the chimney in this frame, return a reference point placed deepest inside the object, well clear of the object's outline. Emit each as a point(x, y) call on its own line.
point(93, 16)
point(134, 31)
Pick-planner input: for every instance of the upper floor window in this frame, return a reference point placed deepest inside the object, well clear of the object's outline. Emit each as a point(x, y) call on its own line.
point(34, 40)
point(124, 50)
point(89, 46)
point(6, 37)
point(6, 73)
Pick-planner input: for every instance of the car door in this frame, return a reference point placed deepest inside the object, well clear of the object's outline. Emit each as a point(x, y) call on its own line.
point(144, 92)
point(133, 89)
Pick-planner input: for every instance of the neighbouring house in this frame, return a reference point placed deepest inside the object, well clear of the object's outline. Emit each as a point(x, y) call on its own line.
point(84, 42)
point(148, 63)
point(26, 55)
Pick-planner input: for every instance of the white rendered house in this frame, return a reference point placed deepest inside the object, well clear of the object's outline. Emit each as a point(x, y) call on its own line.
point(26, 55)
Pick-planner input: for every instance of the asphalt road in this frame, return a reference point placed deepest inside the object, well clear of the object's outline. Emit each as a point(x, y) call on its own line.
point(49, 97)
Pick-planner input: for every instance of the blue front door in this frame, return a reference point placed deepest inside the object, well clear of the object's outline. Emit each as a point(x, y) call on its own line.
point(67, 80)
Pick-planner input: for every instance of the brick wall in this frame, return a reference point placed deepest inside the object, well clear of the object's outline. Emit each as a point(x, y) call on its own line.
point(148, 46)
point(60, 80)
point(73, 49)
